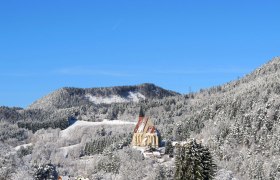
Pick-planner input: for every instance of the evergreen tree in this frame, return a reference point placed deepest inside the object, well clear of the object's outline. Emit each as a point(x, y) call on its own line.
point(45, 172)
point(209, 167)
point(169, 148)
point(193, 162)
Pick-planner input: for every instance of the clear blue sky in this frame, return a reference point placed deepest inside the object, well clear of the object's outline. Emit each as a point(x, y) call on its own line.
point(46, 45)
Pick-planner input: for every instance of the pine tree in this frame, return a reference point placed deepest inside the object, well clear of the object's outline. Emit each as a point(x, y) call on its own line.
point(193, 162)
point(45, 172)
point(169, 148)
point(179, 163)
point(208, 164)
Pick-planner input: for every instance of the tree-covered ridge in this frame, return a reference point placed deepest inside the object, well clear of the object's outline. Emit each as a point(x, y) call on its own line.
point(72, 97)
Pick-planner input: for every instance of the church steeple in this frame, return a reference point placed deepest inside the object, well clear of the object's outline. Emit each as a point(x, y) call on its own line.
point(141, 113)
point(145, 133)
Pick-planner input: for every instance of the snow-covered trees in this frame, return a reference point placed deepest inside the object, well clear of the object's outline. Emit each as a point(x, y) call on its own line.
point(169, 148)
point(10, 131)
point(109, 164)
point(193, 161)
point(238, 121)
point(98, 145)
point(45, 172)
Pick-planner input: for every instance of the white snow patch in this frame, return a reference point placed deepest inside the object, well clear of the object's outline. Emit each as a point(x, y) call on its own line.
point(67, 148)
point(80, 124)
point(141, 127)
point(135, 96)
point(181, 143)
point(132, 97)
point(224, 174)
point(23, 145)
point(106, 100)
point(70, 147)
point(147, 154)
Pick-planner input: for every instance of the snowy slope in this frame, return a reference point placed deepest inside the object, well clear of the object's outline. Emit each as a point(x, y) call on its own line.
point(132, 97)
point(22, 146)
point(85, 124)
point(69, 138)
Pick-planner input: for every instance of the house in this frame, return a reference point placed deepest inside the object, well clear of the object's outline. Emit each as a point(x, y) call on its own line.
point(145, 133)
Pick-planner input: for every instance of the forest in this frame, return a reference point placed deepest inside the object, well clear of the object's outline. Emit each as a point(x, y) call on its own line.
point(237, 122)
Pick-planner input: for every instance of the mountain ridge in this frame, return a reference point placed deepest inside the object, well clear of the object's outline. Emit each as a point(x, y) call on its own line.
point(80, 96)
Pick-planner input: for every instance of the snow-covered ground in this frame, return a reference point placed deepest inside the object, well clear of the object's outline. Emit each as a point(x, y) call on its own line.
point(66, 149)
point(81, 124)
point(135, 96)
point(132, 97)
point(174, 143)
point(224, 174)
point(23, 145)
point(70, 138)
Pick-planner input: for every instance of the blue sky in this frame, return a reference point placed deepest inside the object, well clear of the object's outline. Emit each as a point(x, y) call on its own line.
point(46, 45)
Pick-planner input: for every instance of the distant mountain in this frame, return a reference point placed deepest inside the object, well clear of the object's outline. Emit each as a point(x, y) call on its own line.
point(73, 97)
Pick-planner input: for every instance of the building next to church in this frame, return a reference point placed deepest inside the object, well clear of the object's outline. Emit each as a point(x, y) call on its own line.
point(145, 133)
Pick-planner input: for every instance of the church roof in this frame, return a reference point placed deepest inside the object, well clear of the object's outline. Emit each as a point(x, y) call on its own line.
point(144, 125)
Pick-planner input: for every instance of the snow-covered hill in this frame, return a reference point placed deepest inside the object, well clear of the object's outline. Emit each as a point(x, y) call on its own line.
point(85, 126)
point(73, 97)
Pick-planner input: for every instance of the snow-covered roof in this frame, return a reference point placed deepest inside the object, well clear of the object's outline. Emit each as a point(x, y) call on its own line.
point(144, 125)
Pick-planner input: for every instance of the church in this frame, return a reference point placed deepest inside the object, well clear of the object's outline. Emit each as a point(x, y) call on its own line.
point(145, 133)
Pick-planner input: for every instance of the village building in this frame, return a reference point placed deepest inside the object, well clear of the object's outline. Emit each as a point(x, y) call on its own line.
point(145, 133)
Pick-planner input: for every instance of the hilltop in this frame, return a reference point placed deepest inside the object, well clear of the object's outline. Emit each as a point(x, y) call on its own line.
point(73, 97)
